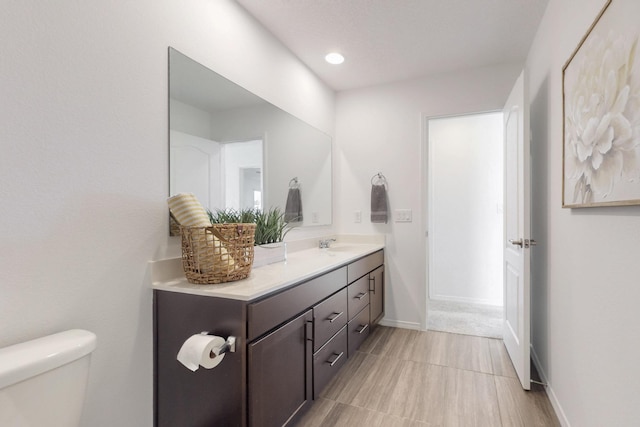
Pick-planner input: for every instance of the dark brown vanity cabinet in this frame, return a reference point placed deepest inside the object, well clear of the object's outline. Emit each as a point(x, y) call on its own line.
point(376, 294)
point(328, 318)
point(370, 269)
point(279, 374)
point(328, 360)
point(330, 339)
point(289, 345)
point(359, 321)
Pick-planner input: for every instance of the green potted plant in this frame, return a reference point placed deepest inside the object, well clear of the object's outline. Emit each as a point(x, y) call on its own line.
point(271, 229)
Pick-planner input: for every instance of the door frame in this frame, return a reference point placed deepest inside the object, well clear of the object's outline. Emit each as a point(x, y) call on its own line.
point(425, 181)
point(427, 169)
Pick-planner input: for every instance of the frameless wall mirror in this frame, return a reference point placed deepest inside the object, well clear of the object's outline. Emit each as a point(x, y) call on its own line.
point(233, 149)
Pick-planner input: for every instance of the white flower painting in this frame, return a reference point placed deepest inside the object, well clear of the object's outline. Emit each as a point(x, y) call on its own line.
point(602, 115)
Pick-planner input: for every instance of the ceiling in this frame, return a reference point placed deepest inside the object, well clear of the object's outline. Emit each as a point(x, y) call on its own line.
point(391, 40)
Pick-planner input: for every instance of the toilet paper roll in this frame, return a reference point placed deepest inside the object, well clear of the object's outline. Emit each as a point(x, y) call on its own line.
point(202, 350)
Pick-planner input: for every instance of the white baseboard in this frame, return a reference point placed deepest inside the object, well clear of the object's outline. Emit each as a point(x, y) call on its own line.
point(465, 300)
point(550, 393)
point(401, 324)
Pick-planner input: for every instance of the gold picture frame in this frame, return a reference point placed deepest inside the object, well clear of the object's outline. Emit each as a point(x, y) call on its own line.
point(601, 112)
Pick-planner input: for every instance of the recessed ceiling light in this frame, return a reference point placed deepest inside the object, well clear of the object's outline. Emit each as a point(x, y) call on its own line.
point(334, 58)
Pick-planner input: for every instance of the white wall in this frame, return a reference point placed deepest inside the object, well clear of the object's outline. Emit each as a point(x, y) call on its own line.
point(84, 167)
point(585, 269)
point(381, 129)
point(189, 119)
point(465, 183)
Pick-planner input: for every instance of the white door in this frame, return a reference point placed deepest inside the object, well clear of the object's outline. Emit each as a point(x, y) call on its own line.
point(517, 240)
point(194, 168)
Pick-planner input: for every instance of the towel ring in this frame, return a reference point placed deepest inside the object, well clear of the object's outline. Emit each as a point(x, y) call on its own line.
point(378, 179)
point(294, 183)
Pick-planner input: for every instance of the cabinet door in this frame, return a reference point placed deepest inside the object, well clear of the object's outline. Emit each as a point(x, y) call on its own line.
point(376, 295)
point(280, 373)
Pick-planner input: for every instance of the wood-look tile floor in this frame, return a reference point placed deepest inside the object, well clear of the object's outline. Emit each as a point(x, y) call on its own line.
point(406, 378)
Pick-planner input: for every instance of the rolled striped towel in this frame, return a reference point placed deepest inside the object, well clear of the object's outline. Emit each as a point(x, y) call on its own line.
point(187, 210)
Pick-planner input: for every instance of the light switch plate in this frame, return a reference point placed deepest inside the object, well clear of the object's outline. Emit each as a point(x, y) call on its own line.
point(403, 215)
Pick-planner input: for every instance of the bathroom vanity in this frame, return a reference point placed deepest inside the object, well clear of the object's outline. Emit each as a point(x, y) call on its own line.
point(296, 324)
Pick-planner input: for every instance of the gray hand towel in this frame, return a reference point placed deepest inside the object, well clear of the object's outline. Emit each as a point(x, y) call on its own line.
point(379, 204)
point(293, 209)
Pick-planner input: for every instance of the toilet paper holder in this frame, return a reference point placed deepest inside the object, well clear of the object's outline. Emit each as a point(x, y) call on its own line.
point(229, 345)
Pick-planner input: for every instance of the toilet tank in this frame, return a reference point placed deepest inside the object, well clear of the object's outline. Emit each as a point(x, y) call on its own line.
point(43, 381)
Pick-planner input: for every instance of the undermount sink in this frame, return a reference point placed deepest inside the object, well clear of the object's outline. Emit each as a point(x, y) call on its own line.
point(340, 248)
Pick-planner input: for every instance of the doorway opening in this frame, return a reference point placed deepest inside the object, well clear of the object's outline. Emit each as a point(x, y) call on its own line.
point(242, 178)
point(466, 225)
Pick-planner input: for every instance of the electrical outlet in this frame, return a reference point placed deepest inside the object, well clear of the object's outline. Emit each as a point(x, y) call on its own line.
point(357, 216)
point(315, 217)
point(403, 215)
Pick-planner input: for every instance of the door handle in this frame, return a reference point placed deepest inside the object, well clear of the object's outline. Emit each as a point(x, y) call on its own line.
point(516, 242)
point(526, 243)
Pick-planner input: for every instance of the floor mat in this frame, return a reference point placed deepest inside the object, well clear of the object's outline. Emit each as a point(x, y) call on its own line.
point(465, 318)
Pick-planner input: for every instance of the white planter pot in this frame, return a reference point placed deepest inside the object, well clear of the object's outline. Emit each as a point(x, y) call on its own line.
point(269, 254)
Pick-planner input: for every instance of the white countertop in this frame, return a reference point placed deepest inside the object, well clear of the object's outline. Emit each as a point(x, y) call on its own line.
point(300, 266)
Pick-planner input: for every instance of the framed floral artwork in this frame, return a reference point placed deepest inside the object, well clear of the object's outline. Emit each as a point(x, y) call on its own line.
point(601, 112)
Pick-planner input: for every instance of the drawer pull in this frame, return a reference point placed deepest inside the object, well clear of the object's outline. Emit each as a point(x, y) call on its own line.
point(362, 328)
point(336, 358)
point(334, 316)
point(361, 295)
point(372, 289)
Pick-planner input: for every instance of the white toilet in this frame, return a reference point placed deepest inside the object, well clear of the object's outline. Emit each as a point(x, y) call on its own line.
point(43, 381)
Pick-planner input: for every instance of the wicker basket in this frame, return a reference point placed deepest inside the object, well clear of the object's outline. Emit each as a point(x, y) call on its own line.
point(217, 254)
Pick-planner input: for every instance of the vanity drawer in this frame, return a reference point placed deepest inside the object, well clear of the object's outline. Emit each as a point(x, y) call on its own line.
point(358, 329)
point(359, 268)
point(328, 317)
point(276, 309)
point(358, 294)
point(328, 361)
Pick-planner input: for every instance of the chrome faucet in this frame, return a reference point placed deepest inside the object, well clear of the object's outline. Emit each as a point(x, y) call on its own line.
point(324, 244)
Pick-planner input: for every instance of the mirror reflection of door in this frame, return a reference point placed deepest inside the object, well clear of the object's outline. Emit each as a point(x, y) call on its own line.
point(225, 174)
point(242, 174)
point(193, 166)
point(250, 188)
